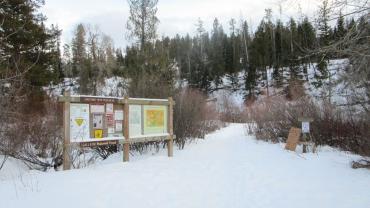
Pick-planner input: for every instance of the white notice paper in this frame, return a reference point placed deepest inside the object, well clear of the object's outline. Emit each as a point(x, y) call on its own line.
point(97, 108)
point(135, 120)
point(110, 130)
point(97, 121)
point(118, 115)
point(305, 127)
point(109, 108)
point(119, 126)
point(79, 122)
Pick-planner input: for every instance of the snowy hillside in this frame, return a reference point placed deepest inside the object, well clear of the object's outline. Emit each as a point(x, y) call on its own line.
point(227, 169)
point(339, 91)
point(114, 86)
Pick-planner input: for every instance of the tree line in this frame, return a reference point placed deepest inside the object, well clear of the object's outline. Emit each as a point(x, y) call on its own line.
point(209, 60)
point(155, 66)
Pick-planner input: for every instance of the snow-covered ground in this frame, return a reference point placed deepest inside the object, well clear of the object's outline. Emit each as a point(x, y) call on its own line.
point(227, 169)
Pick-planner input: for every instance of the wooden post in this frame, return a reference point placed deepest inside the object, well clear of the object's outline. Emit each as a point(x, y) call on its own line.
point(305, 131)
point(170, 127)
point(126, 133)
point(66, 145)
point(304, 138)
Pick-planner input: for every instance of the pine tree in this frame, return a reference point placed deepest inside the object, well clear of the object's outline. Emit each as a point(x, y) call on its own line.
point(323, 24)
point(340, 28)
point(307, 36)
point(29, 52)
point(148, 63)
point(278, 73)
point(80, 64)
point(324, 40)
point(216, 53)
point(293, 36)
point(200, 37)
point(233, 63)
point(142, 22)
point(245, 39)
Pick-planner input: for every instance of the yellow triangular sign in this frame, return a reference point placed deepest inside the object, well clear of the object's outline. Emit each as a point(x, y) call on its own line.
point(79, 121)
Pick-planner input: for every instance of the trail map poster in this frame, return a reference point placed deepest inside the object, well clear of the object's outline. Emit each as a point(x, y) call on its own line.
point(155, 119)
point(135, 120)
point(79, 122)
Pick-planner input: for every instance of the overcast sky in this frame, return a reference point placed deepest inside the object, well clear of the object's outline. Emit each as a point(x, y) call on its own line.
point(176, 16)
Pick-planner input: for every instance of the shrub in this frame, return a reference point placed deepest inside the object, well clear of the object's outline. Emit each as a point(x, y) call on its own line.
point(332, 125)
point(35, 137)
point(229, 110)
point(193, 116)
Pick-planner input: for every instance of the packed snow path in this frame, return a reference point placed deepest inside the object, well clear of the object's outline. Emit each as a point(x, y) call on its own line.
point(228, 169)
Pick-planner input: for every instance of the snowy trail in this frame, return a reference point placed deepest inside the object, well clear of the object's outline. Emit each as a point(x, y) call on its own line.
point(228, 169)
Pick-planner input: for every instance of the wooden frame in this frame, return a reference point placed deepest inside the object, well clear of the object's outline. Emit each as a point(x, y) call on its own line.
point(67, 99)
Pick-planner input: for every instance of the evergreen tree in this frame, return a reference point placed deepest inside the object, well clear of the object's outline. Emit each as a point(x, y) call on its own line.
point(279, 50)
point(324, 40)
point(245, 39)
point(293, 36)
point(340, 28)
point(151, 71)
point(307, 36)
point(323, 24)
point(29, 52)
point(80, 64)
point(216, 53)
point(233, 59)
point(142, 22)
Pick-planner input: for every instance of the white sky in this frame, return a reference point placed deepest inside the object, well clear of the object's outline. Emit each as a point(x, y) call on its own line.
point(176, 16)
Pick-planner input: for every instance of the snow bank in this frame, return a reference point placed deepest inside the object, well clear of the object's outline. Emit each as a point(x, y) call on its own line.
point(227, 169)
point(12, 169)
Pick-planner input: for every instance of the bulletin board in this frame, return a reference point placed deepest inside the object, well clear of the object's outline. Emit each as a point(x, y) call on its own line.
point(92, 121)
point(96, 120)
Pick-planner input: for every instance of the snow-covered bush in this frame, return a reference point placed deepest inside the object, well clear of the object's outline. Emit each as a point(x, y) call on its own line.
point(332, 125)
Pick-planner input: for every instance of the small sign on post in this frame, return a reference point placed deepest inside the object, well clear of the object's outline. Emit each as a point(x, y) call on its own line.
point(305, 127)
point(305, 130)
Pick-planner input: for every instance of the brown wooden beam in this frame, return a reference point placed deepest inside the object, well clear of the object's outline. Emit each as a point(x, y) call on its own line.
point(66, 141)
point(126, 133)
point(170, 127)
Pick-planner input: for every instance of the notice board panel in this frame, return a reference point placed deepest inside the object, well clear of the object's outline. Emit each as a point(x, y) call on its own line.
point(135, 125)
point(155, 119)
point(79, 122)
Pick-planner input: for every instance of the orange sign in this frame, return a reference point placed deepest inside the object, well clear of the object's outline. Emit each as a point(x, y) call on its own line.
point(155, 118)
